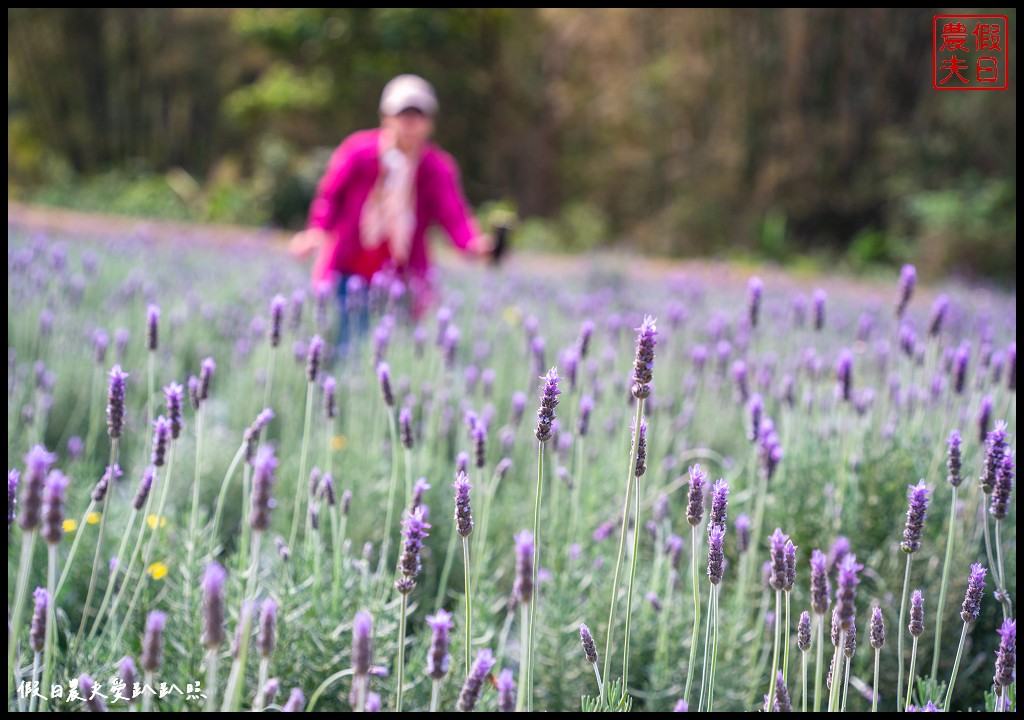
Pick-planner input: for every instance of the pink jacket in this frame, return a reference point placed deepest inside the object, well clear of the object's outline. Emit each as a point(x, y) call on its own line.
point(350, 176)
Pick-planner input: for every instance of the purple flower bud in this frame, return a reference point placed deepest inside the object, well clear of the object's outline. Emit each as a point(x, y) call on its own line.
point(53, 507)
point(384, 376)
point(716, 557)
point(479, 436)
point(960, 360)
point(846, 596)
point(266, 636)
point(839, 550)
point(695, 496)
point(995, 452)
point(674, 550)
point(681, 706)
point(463, 511)
point(362, 644)
point(1011, 367)
point(161, 439)
point(999, 505)
point(90, 696)
point(1006, 656)
point(414, 529)
point(314, 482)
point(346, 502)
point(37, 633)
point(589, 646)
point(719, 504)
point(916, 625)
point(641, 448)
point(372, 702)
point(475, 680)
point(643, 366)
point(152, 327)
point(743, 531)
point(850, 646)
point(953, 459)
point(405, 427)
point(314, 357)
point(175, 396)
point(115, 401)
point(844, 374)
point(261, 501)
point(206, 369)
point(548, 402)
point(270, 689)
point(100, 342)
point(908, 277)
point(803, 632)
point(194, 392)
point(777, 543)
point(877, 634)
point(821, 593)
point(37, 464)
point(330, 403)
point(782, 702)
point(438, 657)
point(327, 490)
point(741, 381)
point(461, 463)
point(655, 601)
point(971, 608)
point(583, 343)
point(755, 409)
point(754, 290)
point(128, 675)
point(75, 447)
point(153, 642)
point(523, 589)
point(277, 306)
point(99, 490)
point(296, 700)
point(537, 346)
point(818, 300)
point(145, 485)
point(790, 551)
point(506, 687)
point(917, 511)
point(213, 606)
point(939, 309)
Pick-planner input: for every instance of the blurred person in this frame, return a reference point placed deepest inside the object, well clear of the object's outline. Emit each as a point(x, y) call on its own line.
point(382, 190)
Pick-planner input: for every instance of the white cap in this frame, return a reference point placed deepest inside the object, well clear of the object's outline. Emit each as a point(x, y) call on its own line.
point(408, 91)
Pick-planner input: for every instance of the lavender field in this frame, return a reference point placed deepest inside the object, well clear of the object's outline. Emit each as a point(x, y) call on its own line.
point(731, 481)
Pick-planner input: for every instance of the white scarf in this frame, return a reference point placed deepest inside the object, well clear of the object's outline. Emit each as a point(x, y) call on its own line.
point(388, 214)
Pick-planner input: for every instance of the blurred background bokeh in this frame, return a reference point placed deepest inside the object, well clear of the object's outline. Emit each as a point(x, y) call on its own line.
point(807, 137)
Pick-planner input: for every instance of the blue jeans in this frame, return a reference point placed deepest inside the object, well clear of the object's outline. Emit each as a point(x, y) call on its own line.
point(353, 314)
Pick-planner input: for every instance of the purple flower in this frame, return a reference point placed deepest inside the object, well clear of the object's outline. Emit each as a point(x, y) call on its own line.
point(90, 696)
point(995, 452)
point(716, 558)
point(971, 608)
point(755, 409)
point(583, 419)
point(152, 327)
point(518, 406)
point(461, 463)
point(917, 511)
point(984, 417)
point(161, 439)
point(641, 448)
point(479, 435)
point(742, 384)
point(327, 490)
point(818, 299)
point(954, 461)
point(297, 701)
point(115, 401)
point(1011, 367)
point(100, 343)
point(777, 544)
point(384, 377)
point(930, 707)
point(803, 632)
point(266, 636)
point(524, 566)
point(362, 647)
point(414, 528)
point(877, 634)
point(153, 642)
point(695, 495)
point(405, 427)
point(194, 390)
point(75, 447)
point(850, 646)
point(908, 278)
point(548, 402)
point(213, 606)
point(419, 490)
point(12, 495)
point(53, 507)
point(1006, 655)
point(643, 366)
point(846, 596)
point(844, 374)
point(261, 501)
point(314, 357)
point(583, 343)
point(821, 593)
point(506, 687)
point(372, 702)
point(790, 551)
point(719, 504)
point(175, 397)
point(99, 490)
point(463, 510)
point(754, 290)
point(330, 403)
point(960, 360)
point(681, 706)
point(743, 531)
point(206, 369)
point(939, 309)
point(128, 674)
point(438, 657)
point(999, 506)
point(589, 646)
point(37, 633)
point(916, 625)
point(839, 550)
point(475, 680)
point(145, 485)
point(277, 306)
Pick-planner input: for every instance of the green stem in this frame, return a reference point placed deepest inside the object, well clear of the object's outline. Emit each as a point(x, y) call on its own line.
point(326, 684)
point(435, 695)
point(837, 669)
point(195, 506)
point(942, 589)
point(819, 666)
point(35, 677)
point(631, 471)
point(775, 652)
point(260, 699)
point(401, 654)
point(298, 506)
point(714, 648)
point(446, 569)
point(74, 546)
point(51, 620)
point(846, 685)
point(899, 641)
point(874, 687)
point(336, 556)
point(956, 667)
point(600, 686)
point(389, 514)
point(99, 541)
point(528, 690)
point(1004, 590)
point(112, 582)
point(803, 674)
point(469, 602)
point(246, 528)
point(147, 698)
point(211, 680)
point(524, 642)
point(222, 495)
point(707, 640)
point(910, 677)
point(785, 636)
point(696, 615)
point(632, 580)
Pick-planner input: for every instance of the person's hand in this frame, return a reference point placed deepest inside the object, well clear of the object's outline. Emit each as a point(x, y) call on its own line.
point(304, 243)
point(482, 244)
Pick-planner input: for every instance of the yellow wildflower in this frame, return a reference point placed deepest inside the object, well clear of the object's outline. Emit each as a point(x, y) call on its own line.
point(157, 571)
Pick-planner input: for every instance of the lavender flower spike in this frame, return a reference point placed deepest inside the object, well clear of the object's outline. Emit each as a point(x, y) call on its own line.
point(877, 635)
point(362, 647)
point(384, 377)
point(790, 567)
point(846, 596)
point(277, 306)
point(954, 461)
point(152, 327)
point(161, 440)
point(916, 625)
point(99, 490)
point(262, 483)
point(589, 647)
point(548, 402)
point(475, 680)
point(755, 288)
point(1006, 656)
point(373, 702)
point(414, 528)
point(53, 507)
point(641, 449)
point(330, 400)
point(971, 608)
point(719, 504)
point(213, 606)
point(908, 278)
point(994, 453)
point(506, 687)
point(999, 506)
point(175, 397)
point(844, 374)
point(145, 485)
point(206, 369)
point(115, 401)
point(405, 427)
point(917, 511)
point(37, 633)
point(463, 511)
point(153, 642)
point(90, 695)
point(643, 366)
point(266, 636)
point(743, 531)
point(695, 495)
point(803, 632)
point(296, 701)
point(524, 566)
point(777, 542)
point(314, 357)
point(716, 558)
point(782, 702)
point(681, 706)
point(438, 657)
point(128, 674)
